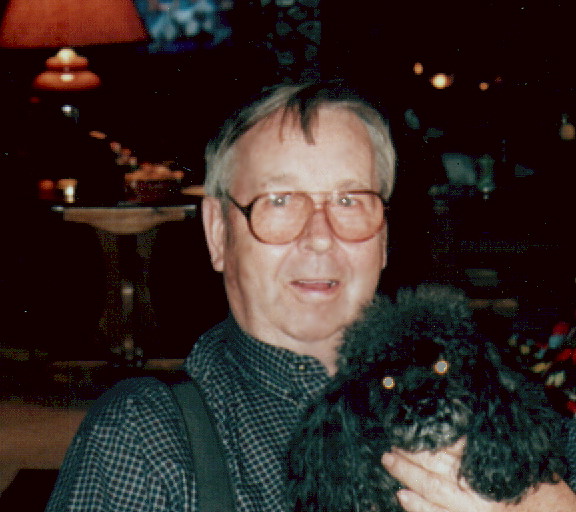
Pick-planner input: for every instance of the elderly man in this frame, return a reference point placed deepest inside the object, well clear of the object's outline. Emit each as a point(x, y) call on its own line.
point(294, 219)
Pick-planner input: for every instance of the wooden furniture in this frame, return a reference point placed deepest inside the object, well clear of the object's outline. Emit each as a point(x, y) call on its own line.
point(34, 437)
point(126, 234)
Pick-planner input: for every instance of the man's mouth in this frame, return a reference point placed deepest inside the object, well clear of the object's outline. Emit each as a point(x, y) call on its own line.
point(316, 285)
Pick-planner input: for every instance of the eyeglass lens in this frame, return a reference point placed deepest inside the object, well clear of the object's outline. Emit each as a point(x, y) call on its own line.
point(279, 218)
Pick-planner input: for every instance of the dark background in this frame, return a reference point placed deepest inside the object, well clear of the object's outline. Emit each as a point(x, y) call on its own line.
point(167, 105)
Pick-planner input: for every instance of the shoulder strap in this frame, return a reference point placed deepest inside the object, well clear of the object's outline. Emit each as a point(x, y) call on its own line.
point(213, 480)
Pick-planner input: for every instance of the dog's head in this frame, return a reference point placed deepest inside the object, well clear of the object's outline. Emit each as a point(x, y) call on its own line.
point(414, 375)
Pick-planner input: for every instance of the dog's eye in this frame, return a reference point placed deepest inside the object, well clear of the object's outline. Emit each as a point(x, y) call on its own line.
point(441, 367)
point(388, 382)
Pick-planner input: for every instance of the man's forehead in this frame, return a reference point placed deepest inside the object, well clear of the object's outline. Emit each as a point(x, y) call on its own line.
point(290, 180)
point(287, 124)
point(274, 153)
point(283, 124)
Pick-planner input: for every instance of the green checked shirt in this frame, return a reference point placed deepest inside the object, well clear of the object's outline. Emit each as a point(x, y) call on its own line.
point(131, 453)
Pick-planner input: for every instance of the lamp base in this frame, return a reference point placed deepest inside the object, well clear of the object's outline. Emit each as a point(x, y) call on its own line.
point(66, 71)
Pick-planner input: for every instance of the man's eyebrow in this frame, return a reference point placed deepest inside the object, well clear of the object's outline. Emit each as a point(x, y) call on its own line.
point(275, 180)
point(352, 185)
point(284, 180)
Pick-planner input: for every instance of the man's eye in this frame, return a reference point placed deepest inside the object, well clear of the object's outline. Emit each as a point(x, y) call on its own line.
point(279, 200)
point(346, 201)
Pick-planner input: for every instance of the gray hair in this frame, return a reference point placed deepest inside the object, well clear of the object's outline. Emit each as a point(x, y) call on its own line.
point(304, 101)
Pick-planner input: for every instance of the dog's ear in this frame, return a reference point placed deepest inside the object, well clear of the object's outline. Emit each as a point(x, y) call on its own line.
point(386, 329)
point(366, 339)
point(513, 438)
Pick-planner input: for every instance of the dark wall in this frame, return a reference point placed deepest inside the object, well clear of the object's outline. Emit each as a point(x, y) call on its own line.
point(167, 106)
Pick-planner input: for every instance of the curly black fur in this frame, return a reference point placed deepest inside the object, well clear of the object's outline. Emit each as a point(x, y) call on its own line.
point(512, 436)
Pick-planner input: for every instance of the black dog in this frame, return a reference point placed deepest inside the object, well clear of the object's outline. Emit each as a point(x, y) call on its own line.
point(414, 375)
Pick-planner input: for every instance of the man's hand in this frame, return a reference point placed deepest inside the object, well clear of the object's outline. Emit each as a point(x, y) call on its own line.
point(433, 486)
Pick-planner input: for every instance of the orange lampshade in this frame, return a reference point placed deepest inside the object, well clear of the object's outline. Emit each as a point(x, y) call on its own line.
point(57, 23)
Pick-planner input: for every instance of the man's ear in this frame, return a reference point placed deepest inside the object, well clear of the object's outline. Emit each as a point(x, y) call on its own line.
point(384, 241)
point(214, 230)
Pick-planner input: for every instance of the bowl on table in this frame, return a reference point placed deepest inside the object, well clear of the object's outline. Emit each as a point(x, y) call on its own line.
point(152, 183)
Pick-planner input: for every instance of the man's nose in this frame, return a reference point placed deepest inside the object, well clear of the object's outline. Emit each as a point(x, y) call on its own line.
point(317, 235)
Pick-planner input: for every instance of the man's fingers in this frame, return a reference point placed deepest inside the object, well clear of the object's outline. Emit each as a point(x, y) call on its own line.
point(411, 474)
point(434, 488)
point(411, 502)
point(444, 462)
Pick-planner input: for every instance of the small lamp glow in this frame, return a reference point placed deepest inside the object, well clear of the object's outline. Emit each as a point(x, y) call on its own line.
point(441, 80)
point(567, 129)
point(483, 86)
point(418, 68)
point(66, 55)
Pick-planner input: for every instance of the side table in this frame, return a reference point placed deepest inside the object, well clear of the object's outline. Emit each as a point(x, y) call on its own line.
point(127, 323)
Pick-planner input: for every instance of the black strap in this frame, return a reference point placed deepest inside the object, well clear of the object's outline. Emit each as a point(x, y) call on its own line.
point(212, 478)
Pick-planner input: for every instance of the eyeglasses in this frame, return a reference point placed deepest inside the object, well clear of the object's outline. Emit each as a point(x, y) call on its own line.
point(280, 217)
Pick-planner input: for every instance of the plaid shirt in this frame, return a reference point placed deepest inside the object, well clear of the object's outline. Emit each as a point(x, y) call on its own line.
point(571, 454)
point(131, 453)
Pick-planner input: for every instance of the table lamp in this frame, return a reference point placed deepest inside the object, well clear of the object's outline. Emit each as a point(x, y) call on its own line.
point(65, 24)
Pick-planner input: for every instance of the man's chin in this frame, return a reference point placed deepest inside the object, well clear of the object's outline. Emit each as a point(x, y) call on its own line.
point(310, 327)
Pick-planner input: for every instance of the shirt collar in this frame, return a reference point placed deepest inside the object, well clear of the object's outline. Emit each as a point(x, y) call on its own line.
point(278, 369)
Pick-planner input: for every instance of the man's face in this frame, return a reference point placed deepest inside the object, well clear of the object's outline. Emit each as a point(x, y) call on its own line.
point(302, 294)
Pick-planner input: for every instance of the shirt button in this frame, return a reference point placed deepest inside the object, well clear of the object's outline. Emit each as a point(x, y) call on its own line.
point(293, 396)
